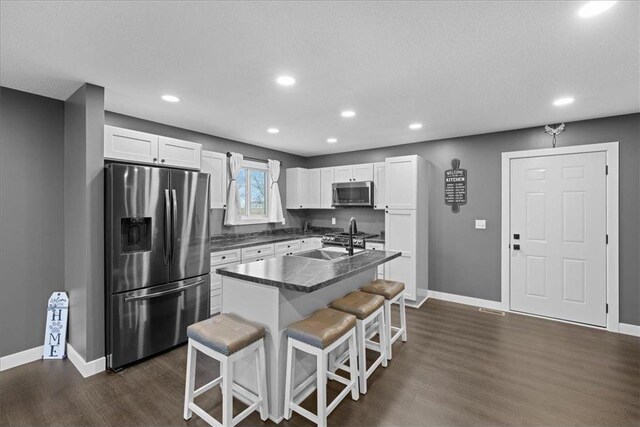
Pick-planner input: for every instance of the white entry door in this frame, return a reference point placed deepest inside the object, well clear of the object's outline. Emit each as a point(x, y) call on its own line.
point(558, 237)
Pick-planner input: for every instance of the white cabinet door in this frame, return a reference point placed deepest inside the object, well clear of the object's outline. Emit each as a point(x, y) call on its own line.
point(326, 188)
point(379, 185)
point(376, 247)
point(401, 176)
point(313, 189)
point(216, 288)
point(363, 172)
point(297, 188)
point(215, 164)
point(175, 152)
point(130, 145)
point(343, 173)
point(400, 235)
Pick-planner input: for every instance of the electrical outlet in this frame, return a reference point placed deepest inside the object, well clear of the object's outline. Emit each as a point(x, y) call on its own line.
point(481, 224)
point(333, 221)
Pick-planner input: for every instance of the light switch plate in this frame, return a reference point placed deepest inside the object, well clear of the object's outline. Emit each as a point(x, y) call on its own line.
point(481, 224)
point(333, 221)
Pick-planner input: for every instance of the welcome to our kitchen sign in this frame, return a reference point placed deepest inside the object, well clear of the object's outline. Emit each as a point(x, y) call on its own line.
point(455, 186)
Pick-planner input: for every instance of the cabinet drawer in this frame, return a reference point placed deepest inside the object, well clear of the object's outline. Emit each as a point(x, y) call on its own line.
point(216, 287)
point(257, 251)
point(258, 258)
point(225, 257)
point(375, 246)
point(290, 246)
point(216, 304)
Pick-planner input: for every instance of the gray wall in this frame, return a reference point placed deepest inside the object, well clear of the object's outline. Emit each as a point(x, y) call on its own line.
point(222, 145)
point(31, 215)
point(466, 261)
point(84, 219)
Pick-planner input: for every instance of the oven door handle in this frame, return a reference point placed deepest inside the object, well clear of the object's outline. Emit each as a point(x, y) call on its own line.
point(162, 293)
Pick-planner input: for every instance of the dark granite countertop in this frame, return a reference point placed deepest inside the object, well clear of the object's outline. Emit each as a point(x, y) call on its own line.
point(261, 239)
point(306, 274)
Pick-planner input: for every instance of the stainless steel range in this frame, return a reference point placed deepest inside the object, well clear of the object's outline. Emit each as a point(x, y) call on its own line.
point(342, 239)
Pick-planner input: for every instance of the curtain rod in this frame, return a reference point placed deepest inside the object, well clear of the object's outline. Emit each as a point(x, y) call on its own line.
point(255, 159)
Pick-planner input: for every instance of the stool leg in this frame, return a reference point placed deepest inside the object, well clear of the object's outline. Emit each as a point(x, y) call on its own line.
point(227, 397)
point(322, 388)
point(362, 357)
point(403, 319)
point(383, 337)
point(262, 382)
point(387, 321)
point(353, 366)
point(288, 385)
point(190, 380)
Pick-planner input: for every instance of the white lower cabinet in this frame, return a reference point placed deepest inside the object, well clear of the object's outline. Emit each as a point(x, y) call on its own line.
point(289, 247)
point(400, 235)
point(220, 259)
point(377, 247)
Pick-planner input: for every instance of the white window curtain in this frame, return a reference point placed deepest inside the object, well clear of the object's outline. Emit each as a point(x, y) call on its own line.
point(232, 215)
point(275, 204)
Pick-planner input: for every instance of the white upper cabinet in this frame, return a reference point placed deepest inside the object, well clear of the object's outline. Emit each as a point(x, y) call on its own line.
point(131, 145)
point(350, 173)
point(326, 188)
point(175, 152)
point(297, 188)
point(313, 189)
point(401, 176)
point(141, 147)
point(215, 164)
point(343, 173)
point(363, 172)
point(379, 186)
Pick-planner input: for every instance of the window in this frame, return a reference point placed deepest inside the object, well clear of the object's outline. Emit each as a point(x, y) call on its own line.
point(253, 185)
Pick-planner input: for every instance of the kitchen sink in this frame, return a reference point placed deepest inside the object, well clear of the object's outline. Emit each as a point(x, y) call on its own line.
point(323, 254)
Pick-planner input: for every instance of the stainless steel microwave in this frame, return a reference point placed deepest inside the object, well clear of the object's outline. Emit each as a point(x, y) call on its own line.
point(353, 194)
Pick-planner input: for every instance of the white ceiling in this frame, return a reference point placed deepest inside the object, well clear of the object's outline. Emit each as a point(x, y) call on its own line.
point(460, 68)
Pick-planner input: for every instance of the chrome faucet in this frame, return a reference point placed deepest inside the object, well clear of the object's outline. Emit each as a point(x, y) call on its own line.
point(353, 229)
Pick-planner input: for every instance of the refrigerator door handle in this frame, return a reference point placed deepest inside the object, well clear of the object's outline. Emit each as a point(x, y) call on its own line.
point(167, 228)
point(174, 218)
point(159, 294)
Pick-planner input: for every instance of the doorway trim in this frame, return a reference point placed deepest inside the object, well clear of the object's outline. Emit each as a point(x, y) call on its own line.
point(613, 284)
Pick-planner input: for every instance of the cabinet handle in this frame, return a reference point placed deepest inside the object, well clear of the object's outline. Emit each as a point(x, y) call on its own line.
point(224, 257)
point(387, 207)
point(162, 161)
point(155, 159)
point(259, 251)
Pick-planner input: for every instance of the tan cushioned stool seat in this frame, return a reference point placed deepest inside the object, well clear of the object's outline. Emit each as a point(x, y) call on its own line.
point(387, 288)
point(226, 333)
point(360, 304)
point(322, 328)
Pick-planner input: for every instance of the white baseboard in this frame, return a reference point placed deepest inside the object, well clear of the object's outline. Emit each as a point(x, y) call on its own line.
point(477, 302)
point(20, 358)
point(85, 368)
point(627, 329)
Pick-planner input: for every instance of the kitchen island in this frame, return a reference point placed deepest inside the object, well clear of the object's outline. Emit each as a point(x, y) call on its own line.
point(279, 291)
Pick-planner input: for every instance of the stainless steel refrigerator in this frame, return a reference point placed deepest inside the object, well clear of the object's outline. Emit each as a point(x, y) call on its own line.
point(157, 258)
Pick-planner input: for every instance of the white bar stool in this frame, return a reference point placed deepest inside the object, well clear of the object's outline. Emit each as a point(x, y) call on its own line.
point(227, 338)
point(319, 335)
point(367, 309)
point(393, 293)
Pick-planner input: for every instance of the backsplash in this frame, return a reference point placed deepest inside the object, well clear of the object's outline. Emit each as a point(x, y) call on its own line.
point(293, 219)
point(367, 219)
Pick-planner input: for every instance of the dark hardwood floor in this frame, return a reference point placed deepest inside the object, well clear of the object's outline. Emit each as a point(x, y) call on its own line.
point(459, 368)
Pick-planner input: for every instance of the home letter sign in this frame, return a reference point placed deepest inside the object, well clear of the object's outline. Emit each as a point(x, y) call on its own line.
point(55, 334)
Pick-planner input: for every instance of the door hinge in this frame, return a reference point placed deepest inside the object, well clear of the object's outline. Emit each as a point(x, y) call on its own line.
point(607, 309)
point(606, 170)
point(607, 239)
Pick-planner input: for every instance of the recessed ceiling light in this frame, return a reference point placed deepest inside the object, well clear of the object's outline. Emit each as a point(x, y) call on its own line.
point(348, 113)
point(273, 130)
point(594, 8)
point(286, 81)
point(415, 126)
point(563, 101)
point(170, 98)
point(332, 140)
